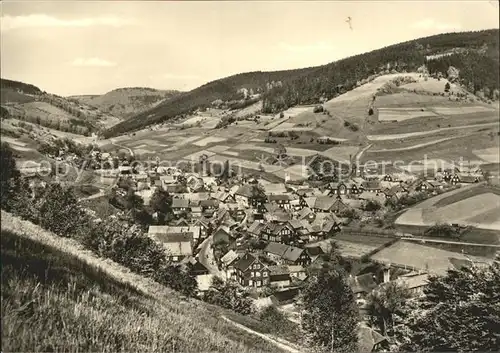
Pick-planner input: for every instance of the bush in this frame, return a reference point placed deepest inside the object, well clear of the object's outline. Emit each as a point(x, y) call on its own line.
point(372, 206)
point(228, 295)
point(56, 209)
point(442, 231)
point(318, 109)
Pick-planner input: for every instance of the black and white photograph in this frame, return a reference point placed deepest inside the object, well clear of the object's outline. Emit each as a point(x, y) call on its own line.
point(250, 176)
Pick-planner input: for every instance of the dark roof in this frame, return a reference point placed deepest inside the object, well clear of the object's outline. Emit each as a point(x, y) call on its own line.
point(244, 190)
point(276, 248)
point(293, 253)
point(368, 338)
point(362, 284)
point(469, 178)
point(295, 224)
point(180, 203)
point(273, 227)
point(324, 203)
point(281, 197)
point(174, 237)
point(209, 203)
point(278, 270)
point(279, 277)
point(371, 184)
point(245, 262)
point(303, 213)
point(198, 267)
point(314, 250)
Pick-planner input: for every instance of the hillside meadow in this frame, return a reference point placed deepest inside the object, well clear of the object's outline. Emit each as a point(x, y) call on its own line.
point(56, 296)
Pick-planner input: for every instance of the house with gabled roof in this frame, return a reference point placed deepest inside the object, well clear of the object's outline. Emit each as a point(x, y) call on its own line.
point(306, 214)
point(251, 272)
point(324, 203)
point(179, 206)
point(314, 252)
point(362, 285)
point(423, 185)
point(255, 228)
point(296, 256)
point(223, 196)
point(371, 196)
point(339, 188)
point(181, 222)
point(372, 186)
point(279, 232)
point(177, 246)
point(275, 251)
point(228, 261)
point(204, 225)
point(469, 178)
point(243, 195)
point(274, 189)
point(296, 205)
point(279, 276)
point(297, 272)
point(282, 200)
point(338, 206)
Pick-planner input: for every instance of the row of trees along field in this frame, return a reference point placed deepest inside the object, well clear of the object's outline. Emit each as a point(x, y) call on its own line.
point(459, 311)
point(74, 126)
point(478, 68)
point(477, 71)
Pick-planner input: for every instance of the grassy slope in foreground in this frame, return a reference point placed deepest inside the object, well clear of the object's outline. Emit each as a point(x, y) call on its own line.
point(58, 296)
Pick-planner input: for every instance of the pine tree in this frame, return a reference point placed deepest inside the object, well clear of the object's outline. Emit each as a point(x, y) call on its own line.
point(330, 312)
point(459, 312)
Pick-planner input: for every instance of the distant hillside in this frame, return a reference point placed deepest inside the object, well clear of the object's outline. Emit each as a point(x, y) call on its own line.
point(283, 89)
point(127, 102)
point(20, 87)
point(27, 102)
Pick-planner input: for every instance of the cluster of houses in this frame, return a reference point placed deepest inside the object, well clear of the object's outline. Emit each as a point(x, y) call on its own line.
point(284, 219)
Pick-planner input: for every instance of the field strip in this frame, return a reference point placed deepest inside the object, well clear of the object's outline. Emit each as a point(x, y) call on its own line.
point(22, 149)
point(196, 155)
point(408, 148)
point(187, 140)
point(491, 155)
point(245, 146)
point(218, 148)
point(230, 153)
point(422, 133)
point(208, 140)
point(13, 141)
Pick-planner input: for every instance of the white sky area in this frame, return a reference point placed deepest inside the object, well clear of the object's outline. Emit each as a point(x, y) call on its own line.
point(71, 48)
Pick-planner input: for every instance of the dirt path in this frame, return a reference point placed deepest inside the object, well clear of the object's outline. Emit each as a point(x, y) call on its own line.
point(282, 344)
point(438, 241)
point(408, 148)
point(121, 146)
point(94, 196)
point(206, 258)
point(423, 133)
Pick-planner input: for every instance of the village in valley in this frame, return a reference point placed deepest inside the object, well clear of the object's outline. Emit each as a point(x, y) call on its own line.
point(352, 206)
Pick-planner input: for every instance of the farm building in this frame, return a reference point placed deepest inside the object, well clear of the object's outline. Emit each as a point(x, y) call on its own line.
point(250, 272)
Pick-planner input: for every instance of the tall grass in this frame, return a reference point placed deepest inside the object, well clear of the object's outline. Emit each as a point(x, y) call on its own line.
point(58, 297)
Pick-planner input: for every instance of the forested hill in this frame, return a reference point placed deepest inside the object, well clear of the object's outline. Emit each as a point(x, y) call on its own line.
point(474, 54)
point(19, 86)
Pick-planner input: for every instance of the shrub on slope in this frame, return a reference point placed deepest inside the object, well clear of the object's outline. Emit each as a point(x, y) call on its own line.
point(57, 297)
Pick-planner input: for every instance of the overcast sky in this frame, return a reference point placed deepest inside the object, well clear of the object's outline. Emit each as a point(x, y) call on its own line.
point(93, 47)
